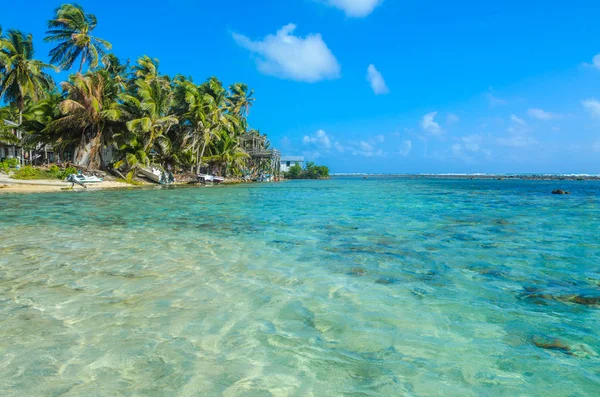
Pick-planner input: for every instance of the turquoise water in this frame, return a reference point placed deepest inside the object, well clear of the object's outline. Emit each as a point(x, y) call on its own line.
point(376, 287)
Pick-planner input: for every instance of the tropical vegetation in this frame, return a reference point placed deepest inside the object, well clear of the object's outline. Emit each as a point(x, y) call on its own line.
point(310, 171)
point(113, 115)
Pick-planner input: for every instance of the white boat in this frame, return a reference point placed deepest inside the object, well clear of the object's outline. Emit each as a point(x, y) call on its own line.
point(82, 179)
point(156, 175)
point(205, 178)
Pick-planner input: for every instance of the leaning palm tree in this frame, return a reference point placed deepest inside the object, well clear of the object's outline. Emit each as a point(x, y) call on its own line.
point(240, 99)
point(89, 112)
point(22, 76)
point(72, 28)
point(133, 156)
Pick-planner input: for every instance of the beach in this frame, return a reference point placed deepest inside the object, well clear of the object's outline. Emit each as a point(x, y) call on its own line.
point(383, 286)
point(8, 185)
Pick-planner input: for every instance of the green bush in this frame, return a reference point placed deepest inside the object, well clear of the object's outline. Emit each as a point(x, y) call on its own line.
point(311, 171)
point(12, 162)
point(55, 170)
point(7, 164)
point(29, 173)
point(66, 172)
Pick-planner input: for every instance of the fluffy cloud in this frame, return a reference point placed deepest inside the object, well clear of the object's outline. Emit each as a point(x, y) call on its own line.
point(405, 148)
point(355, 8)
point(366, 149)
point(319, 139)
point(376, 80)
point(595, 62)
point(292, 57)
point(428, 124)
point(541, 114)
point(517, 120)
point(592, 106)
point(472, 142)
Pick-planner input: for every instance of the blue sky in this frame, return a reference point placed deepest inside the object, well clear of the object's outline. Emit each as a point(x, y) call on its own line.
point(383, 86)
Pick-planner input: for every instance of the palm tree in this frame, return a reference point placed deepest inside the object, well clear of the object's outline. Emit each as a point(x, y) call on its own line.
point(150, 111)
point(228, 154)
point(240, 99)
point(23, 77)
point(133, 154)
point(72, 29)
point(36, 118)
point(146, 68)
point(87, 109)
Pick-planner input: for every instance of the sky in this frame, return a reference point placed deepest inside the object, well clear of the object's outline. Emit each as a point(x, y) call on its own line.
point(383, 86)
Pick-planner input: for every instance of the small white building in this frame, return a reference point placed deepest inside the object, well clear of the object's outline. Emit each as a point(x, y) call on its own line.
point(289, 161)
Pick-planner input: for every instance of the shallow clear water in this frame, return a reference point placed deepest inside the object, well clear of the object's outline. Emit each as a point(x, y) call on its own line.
point(376, 287)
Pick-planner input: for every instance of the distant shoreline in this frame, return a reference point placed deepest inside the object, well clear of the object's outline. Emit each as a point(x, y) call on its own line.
point(530, 177)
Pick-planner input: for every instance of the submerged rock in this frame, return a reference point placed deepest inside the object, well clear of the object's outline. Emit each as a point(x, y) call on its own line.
point(358, 271)
point(385, 281)
point(558, 191)
point(552, 344)
point(588, 298)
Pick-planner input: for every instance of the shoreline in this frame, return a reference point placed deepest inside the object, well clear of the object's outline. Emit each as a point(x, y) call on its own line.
point(8, 185)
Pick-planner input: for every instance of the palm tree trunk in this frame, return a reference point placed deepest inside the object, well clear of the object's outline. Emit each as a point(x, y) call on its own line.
point(201, 155)
point(82, 62)
point(21, 106)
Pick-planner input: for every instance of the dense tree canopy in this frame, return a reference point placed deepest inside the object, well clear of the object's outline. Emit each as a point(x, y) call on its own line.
point(143, 115)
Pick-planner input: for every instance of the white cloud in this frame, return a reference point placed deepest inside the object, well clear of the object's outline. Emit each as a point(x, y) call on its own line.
point(292, 57)
point(517, 120)
point(452, 118)
point(319, 139)
point(367, 147)
point(592, 106)
point(379, 138)
point(541, 114)
point(517, 141)
point(472, 142)
point(355, 8)
point(377, 81)
point(405, 148)
point(428, 124)
point(495, 101)
point(595, 62)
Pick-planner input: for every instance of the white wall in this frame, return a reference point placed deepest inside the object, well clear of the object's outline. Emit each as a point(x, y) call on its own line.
point(286, 168)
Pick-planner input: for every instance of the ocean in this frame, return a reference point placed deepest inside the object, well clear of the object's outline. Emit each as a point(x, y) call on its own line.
point(342, 287)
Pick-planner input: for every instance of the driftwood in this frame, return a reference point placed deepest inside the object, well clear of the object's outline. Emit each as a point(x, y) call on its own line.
point(116, 173)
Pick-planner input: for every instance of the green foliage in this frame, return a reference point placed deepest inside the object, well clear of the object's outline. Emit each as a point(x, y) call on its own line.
point(66, 172)
point(130, 181)
point(294, 172)
point(310, 171)
point(22, 78)
point(30, 173)
point(72, 28)
point(7, 164)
